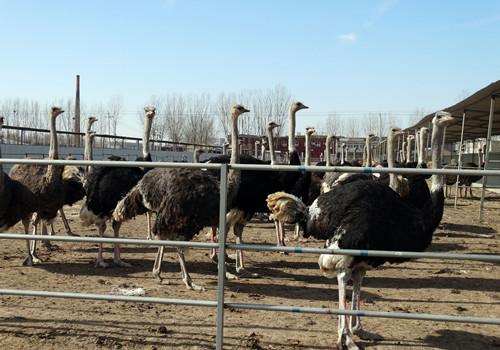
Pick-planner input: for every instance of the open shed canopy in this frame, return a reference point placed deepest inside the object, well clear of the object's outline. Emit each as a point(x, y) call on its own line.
point(477, 111)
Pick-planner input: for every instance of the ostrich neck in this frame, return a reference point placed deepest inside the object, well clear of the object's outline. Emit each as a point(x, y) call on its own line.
point(51, 169)
point(87, 152)
point(327, 151)
point(270, 138)
point(417, 145)
point(342, 159)
point(256, 151)
point(436, 146)
point(422, 149)
point(307, 160)
point(368, 153)
point(393, 180)
point(291, 131)
point(145, 138)
point(408, 151)
point(224, 149)
point(234, 176)
point(263, 151)
point(196, 156)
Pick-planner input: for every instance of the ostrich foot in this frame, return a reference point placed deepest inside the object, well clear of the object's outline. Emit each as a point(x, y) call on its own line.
point(30, 261)
point(215, 260)
point(284, 253)
point(121, 263)
point(192, 286)
point(49, 246)
point(346, 342)
point(101, 263)
point(232, 257)
point(230, 276)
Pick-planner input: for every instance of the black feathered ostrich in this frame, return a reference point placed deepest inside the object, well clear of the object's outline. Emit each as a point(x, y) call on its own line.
point(364, 215)
point(106, 186)
point(257, 185)
point(17, 202)
point(74, 177)
point(46, 184)
point(185, 201)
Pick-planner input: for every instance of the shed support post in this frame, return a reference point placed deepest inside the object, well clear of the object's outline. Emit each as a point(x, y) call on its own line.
point(487, 156)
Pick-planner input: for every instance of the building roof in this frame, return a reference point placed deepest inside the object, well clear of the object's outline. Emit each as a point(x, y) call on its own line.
point(477, 107)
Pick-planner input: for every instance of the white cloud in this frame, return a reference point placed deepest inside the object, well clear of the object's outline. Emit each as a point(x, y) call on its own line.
point(347, 37)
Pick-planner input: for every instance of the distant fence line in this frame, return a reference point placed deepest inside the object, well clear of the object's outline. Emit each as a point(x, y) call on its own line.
point(33, 136)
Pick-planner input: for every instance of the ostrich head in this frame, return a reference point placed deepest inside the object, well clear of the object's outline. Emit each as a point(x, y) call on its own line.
point(55, 111)
point(257, 142)
point(199, 151)
point(442, 119)
point(92, 120)
point(297, 106)
point(329, 138)
point(237, 110)
point(264, 141)
point(370, 136)
point(344, 146)
point(272, 125)
point(287, 208)
point(310, 130)
point(424, 130)
point(150, 112)
point(395, 131)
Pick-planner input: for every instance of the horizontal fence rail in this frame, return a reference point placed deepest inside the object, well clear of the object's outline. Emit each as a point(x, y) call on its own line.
point(264, 167)
point(220, 304)
point(247, 306)
point(259, 247)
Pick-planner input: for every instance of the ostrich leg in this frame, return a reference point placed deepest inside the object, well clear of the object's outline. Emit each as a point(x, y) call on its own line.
point(100, 261)
point(344, 331)
point(213, 251)
point(116, 255)
point(47, 244)
point(30, 259)
point(238, 231)
point(357, 279)
point(185, 275)
point(150, 234)
point(66, 224)
point(157, 265)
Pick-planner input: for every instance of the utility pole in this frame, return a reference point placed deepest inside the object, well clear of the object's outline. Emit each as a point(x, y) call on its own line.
point(76, 129)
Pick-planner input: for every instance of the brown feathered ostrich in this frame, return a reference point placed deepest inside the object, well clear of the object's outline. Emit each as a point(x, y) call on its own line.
point(17, 202)
point(46, 184)
point(185, 201)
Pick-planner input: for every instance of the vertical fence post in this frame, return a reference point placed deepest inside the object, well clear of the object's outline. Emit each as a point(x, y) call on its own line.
point(221, 264)
point(486, 154)
point(460, 158)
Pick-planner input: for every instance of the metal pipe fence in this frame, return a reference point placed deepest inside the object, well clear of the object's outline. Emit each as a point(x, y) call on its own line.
point(220, 304)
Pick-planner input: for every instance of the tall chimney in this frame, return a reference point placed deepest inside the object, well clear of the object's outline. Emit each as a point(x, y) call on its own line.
point(77, 112)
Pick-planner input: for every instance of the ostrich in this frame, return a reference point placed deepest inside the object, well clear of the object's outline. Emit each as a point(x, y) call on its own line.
point(280, 230)
point(89, 137)
point(256, 151)
point(106, 186)
point(17, 202)
point(366, 215)
point(263, 148)
point(257, 185)
point(73, 177)
point(332, 179)
point(46, 184)
point(185, 200)
point(402, 152)
point(409, 141)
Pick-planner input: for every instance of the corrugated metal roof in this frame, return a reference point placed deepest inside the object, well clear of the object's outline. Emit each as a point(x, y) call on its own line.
point(476, 120)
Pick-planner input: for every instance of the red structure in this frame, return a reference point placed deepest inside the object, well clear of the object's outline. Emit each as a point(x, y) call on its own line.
point(247, 145)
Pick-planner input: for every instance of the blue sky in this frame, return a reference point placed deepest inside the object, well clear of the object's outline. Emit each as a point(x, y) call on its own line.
point(347, 56)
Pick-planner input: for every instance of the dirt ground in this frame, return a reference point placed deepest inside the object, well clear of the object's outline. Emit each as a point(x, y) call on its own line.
point(427, 286)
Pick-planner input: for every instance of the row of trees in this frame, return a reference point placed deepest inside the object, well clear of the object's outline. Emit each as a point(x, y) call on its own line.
point(378, 123)
point(200, 118)
point(33, 114)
